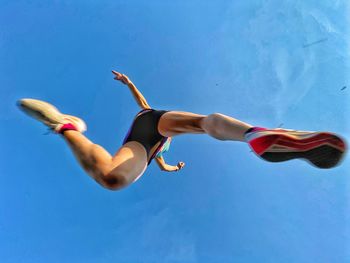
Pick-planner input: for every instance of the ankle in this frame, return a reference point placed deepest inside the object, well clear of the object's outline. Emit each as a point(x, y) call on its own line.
point(254, 129)
point(67, 127)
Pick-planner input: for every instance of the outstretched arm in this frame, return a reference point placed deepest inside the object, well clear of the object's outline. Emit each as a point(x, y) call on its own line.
point(140, 99)
point(168, 168)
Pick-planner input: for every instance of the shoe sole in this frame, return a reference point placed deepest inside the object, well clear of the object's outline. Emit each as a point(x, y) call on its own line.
point(322, 149)
point(41, 111)
point(47, 113)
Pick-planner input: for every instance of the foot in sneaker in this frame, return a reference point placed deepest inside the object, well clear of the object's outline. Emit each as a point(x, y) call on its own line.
point(50, 116)
point(322, 149)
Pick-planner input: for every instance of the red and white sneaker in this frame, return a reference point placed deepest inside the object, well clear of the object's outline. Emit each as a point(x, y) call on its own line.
point(50, 116)
point(322, 149)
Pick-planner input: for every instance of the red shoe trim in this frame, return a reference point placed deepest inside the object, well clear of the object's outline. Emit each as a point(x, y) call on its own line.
point(260, 145)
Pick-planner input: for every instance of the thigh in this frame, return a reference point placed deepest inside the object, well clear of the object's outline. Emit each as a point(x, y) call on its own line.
point(173, 123)
point(130, 161)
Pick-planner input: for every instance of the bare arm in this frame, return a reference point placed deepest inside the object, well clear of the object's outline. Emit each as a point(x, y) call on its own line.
point(140, 99)
point(168, 168)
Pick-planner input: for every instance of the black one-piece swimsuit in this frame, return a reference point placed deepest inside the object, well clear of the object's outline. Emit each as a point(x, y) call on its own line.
point(144, 130)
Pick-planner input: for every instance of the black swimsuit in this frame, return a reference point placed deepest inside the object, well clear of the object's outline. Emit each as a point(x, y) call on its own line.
point(144, 130)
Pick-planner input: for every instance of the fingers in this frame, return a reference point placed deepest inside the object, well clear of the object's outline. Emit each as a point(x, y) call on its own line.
point(120, 77)
point(180, 165)
point(115, 72)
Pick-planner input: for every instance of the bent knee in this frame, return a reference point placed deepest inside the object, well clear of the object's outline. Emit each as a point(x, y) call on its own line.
point(211, 124)
point(211, 121)
point(114, 181)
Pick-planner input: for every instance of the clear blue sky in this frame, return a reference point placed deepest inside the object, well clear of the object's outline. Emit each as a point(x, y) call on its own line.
point(264, 62)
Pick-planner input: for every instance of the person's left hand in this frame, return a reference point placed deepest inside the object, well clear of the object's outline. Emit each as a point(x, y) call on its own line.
point(121, 77)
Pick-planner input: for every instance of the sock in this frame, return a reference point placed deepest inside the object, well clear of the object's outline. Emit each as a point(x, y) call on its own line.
point(67, 127)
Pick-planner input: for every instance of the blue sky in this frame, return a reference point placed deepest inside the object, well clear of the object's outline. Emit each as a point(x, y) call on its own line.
point(254, 60)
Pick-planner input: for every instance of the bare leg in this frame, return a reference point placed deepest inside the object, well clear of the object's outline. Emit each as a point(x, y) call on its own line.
point(111, 172)
point(92, 157)
point(125, 167)
point(217, 125)
point(223, 127)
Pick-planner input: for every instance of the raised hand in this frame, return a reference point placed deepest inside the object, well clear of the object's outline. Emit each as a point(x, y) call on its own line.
point(121, 77)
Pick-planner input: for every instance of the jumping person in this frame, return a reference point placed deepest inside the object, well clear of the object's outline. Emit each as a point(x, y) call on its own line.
point(151, 131)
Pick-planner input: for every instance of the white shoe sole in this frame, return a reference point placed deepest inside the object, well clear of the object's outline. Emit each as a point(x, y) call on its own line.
point(49, 114)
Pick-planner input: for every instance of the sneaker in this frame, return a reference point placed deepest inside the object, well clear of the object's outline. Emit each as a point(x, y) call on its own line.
point(50, 116)
point(322, 149)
